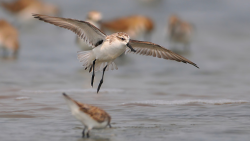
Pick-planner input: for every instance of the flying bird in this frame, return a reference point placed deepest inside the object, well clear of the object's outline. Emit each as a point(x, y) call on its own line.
point(106, 48)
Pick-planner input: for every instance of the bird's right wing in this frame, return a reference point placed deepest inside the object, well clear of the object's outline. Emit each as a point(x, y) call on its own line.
point(86, 31)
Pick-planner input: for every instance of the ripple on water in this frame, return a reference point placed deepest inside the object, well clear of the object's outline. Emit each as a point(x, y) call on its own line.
point(16, 116)
point(73, 91)
point(22, 98)
point(185, 102)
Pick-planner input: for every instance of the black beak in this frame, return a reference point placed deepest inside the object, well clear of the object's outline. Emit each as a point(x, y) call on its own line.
point(131, 47)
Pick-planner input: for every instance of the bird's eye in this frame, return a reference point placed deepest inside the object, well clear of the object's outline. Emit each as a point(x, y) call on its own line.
point(123, 39)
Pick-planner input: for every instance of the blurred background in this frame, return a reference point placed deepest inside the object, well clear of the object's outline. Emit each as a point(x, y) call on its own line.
point(148, 98)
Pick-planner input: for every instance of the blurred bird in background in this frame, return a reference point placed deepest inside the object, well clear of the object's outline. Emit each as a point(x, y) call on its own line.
point(93, 17)
point(22, 9)
point(179, 32)
point(136, 26)
point(8, 39)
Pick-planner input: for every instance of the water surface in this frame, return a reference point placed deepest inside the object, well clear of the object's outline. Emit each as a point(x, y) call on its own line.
point(148, 98)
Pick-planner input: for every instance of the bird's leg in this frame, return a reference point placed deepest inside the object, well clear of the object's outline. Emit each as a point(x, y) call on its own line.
point(110, 125)
point(93, 73)
point(83, 133)
point(100, 84)
point(90, 69)
point(88, 134)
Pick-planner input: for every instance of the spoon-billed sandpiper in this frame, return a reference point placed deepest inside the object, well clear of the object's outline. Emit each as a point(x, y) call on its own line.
point(107, 48)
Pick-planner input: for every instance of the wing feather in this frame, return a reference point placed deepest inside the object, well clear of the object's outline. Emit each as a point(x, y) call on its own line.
point(94, 112)
point(151, 49)
point(86, 31)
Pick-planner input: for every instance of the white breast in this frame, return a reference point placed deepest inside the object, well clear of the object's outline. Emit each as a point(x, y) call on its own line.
point(109, 51)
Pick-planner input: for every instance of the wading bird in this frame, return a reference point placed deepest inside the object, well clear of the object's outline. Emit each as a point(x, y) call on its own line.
point(8, 39)
point(179, 31)
point(90, 116)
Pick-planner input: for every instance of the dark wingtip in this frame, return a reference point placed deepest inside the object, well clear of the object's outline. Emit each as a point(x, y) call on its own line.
point(191, 64)
point(196, 66)
point(37, 16)
point(34, 15)
point(64, 94)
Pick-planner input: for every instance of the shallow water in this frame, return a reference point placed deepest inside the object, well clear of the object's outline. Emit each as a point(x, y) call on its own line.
point(148, 98)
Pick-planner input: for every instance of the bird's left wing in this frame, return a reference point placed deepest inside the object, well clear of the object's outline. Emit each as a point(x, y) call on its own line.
point(86, 31)
point(151, 49)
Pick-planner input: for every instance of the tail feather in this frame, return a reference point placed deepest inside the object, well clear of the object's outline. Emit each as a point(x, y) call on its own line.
point(110, 66)
point(85, 57)
point(114, 66)
point(99, 65)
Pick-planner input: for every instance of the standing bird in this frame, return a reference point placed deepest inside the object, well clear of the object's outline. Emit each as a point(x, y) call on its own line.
point(90, 116)
point(23, 8)
point(179, 31)
point(135, 26)
point(107, 48)
point(8, 38)
point(93, 17)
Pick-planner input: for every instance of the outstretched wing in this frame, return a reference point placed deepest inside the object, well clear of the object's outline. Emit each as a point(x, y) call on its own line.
point(86, 31)
point(151, 49)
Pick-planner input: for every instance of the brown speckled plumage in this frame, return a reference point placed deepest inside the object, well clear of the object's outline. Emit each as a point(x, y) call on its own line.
point(94, 112)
